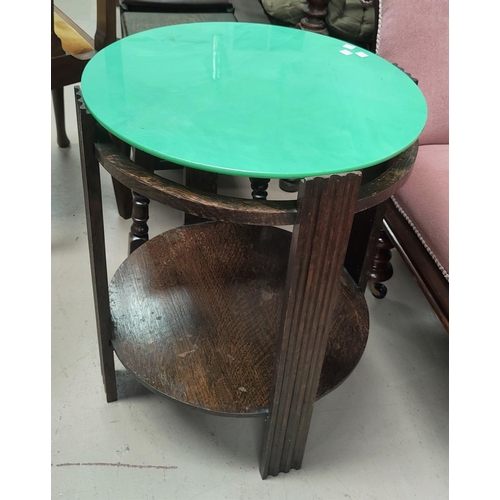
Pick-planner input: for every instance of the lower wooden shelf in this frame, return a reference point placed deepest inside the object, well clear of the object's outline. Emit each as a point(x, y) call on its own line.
point(196, 314)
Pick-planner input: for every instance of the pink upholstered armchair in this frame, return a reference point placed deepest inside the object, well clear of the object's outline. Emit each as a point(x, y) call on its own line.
point(414, 35)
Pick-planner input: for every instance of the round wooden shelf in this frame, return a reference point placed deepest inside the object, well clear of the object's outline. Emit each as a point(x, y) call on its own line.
point(196, 313)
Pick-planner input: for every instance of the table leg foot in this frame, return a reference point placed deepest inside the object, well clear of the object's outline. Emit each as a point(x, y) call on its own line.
point(109, 374)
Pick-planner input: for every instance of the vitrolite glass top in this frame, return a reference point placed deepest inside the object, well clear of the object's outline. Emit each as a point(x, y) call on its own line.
point(253, 100)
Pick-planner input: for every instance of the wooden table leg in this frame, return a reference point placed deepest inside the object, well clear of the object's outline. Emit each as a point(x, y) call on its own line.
point(123, 195)
point(202, 180)
point(363, 243)
point(123, 198)
point(317, 253)
point(95, 231)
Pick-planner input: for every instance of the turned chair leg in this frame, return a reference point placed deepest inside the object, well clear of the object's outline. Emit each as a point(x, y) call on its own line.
point(139, 232)
point(123, 195)
point(58, 103)
point(315, 14)
point(259, 188)
point(381, 268)
point(123, 198)
point(289, 185)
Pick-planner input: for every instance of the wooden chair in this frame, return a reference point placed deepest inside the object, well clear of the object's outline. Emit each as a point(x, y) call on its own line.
point(415, 35)
point(141, 15)
point(71, 49)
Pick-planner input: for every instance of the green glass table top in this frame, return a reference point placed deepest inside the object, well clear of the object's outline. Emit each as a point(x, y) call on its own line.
point(253, 100)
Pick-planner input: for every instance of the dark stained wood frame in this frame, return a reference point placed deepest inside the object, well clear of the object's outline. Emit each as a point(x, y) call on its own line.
point(211, 206)
point(67, 69)
point(428, 276)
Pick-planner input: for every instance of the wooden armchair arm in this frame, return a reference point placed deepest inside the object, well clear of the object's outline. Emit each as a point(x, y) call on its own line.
point(106, 23)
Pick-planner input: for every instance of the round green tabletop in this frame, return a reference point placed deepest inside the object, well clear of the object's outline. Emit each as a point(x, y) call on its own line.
point(253, 100)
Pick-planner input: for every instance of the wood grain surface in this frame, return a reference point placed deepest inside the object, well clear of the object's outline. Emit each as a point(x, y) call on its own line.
point(384, 180)
point(196, 314)
point(194, 201)
point(312, 291)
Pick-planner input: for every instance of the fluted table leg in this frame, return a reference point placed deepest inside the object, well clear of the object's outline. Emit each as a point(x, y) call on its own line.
point(317, 255)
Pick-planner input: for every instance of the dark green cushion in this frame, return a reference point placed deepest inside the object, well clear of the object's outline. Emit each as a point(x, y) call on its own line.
point(349, 20)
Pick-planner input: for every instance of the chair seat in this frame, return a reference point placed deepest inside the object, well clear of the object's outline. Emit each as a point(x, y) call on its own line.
point(161, 4)
point(424, 201)
point(135, 22)
point(72, 42)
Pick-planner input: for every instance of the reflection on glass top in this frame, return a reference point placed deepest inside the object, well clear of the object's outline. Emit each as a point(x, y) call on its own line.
point(253, 100)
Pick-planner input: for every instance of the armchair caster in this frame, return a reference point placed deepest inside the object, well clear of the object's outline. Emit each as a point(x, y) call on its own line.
point(379, 290)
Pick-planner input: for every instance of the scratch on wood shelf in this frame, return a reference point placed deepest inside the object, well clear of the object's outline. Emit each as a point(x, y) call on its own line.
point(183, 355)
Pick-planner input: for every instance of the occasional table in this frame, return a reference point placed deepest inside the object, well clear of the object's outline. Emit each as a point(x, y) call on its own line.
point(237, 316)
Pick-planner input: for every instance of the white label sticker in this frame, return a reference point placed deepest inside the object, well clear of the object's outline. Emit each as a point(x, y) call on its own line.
point(349, 46)
point(346, 52)
point(361, 54)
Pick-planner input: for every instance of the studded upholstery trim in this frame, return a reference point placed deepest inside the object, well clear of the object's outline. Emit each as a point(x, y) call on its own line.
point(419, 236)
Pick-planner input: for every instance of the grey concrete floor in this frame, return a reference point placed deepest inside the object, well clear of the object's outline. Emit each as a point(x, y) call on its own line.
point(383, 434)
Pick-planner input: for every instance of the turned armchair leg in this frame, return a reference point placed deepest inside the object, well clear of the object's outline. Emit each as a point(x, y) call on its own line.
point(381, 268)
point(259, 188)
point(315, 14)
point(289, 185)
point(58, 103)
point(123, 198)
